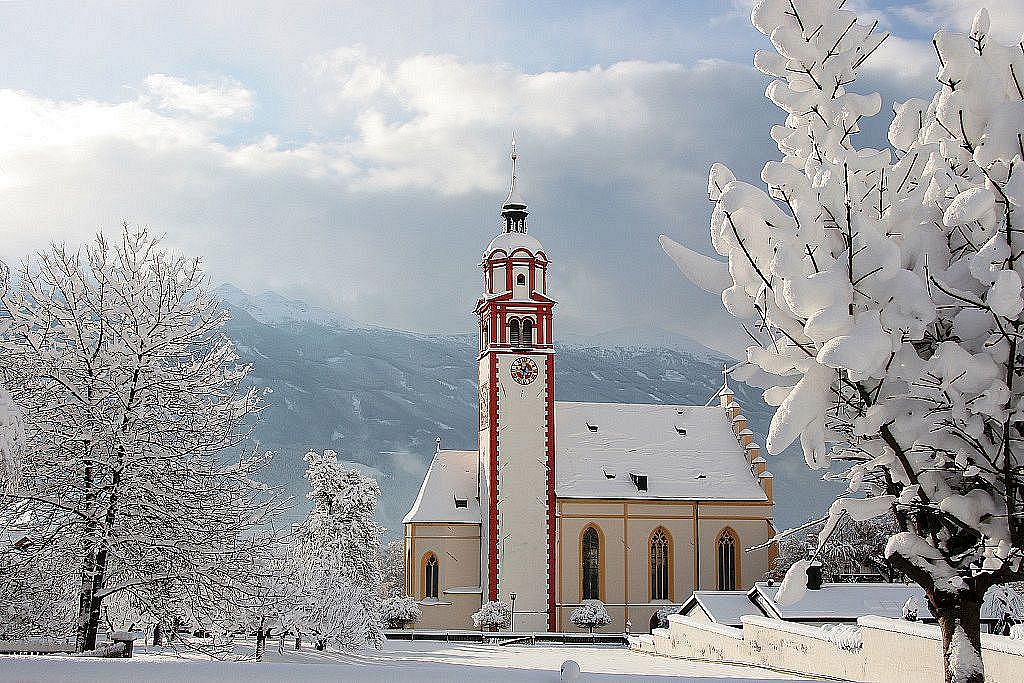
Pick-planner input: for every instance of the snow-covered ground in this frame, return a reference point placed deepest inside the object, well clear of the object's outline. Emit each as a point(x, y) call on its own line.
point(399, 661)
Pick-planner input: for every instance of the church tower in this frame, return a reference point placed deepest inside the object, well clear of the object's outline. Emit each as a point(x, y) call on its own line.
point(517, 427)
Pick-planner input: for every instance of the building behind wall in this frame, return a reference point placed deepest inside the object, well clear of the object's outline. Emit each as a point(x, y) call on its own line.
point(636, 505)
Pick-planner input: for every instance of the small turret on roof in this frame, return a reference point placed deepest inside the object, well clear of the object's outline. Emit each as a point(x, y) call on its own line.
point(514, 209)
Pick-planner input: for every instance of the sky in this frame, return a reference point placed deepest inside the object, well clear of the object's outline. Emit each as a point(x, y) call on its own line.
point(356, 154)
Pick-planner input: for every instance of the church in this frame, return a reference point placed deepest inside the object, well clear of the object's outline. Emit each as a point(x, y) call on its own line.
point(636, 505)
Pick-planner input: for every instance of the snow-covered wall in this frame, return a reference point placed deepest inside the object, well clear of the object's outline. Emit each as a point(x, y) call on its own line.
point(892, 650)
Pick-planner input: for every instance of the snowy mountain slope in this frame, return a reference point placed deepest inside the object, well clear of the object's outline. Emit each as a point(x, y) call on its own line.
point(273, 309)
point(381, 397)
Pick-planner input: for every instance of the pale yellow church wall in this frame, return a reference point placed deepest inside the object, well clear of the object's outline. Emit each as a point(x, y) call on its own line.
point(457, 548)
point(626, 528)
point(750, 524)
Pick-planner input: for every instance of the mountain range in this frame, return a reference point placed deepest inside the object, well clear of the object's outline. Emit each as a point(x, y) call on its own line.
point(381, 397)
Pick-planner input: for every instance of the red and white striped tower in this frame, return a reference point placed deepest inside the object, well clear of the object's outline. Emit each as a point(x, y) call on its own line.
point(517, 421)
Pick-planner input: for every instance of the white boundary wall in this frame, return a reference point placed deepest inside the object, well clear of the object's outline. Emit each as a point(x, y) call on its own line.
point(892, 650)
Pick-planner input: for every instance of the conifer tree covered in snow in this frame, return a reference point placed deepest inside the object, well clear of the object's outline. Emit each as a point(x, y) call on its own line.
point(336, 552)
point(883, 291)
point(135, 413)
point(493, 614)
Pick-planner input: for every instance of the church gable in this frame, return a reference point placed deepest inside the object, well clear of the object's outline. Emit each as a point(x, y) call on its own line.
point(449, 490)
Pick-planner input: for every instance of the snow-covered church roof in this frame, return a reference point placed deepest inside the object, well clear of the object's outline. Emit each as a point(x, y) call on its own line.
point(615, 450)
point(627, 451)
point(510, 241)
point(448, 492)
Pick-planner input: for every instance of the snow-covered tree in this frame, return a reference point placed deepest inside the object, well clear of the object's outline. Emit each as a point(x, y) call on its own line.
point(493, 614)
point(392, 568)
point(135, 411)
point(882, 289)
point(337, 554)
point(590, 614)
point(854, 548)
point(399, 611)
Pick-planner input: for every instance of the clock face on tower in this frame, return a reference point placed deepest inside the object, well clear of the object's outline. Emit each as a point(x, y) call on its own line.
point(523, 370)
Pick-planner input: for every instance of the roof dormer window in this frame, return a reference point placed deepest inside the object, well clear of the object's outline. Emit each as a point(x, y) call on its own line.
point(639, 480)
point(591, 427)
point(461, 502)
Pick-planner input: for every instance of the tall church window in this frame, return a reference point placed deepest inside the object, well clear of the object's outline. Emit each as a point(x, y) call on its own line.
point(527, 332)
point(431, 573)
point(513, 331)
point(590, 560)
point(660, 563)
point(726, 556)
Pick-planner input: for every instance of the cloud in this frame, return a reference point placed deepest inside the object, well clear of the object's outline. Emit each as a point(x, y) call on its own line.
point(226, 99)
point(1007, 16)
point(383, 212)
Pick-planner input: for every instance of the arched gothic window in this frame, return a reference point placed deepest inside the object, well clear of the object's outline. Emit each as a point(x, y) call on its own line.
point(661, 559)
point(513, 331)
point(431, 574)
point(527, 332)
point(590, 560)
point(726, 552)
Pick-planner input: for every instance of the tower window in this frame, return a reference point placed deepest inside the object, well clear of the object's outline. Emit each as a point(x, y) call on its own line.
point(726, 555)
point(520, 279)
point(513, 331)
point(661, 557)
point(590, 561)
point(431, 572)
point(527, 332)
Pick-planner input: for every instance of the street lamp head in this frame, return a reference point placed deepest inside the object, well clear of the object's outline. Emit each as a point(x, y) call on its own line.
point(512, 596)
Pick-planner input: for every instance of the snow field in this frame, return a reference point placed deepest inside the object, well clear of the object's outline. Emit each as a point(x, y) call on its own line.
point(422, 661)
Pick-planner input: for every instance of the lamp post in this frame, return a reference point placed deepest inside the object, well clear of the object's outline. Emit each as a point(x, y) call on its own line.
point(512, 617)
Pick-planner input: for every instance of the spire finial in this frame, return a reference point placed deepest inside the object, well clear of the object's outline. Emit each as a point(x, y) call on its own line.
point(514, 210)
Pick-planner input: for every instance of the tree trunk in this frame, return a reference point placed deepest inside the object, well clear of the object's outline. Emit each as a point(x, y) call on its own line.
point(959, 617)
point(298, 640)
point(158, 634)
point(261, 640)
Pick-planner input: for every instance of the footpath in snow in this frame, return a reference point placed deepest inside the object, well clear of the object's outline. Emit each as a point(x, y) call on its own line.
point(400, 661)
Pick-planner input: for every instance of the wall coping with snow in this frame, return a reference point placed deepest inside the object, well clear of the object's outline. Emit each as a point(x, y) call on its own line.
point(719, 629)
point(785, 627)
point(910, 628)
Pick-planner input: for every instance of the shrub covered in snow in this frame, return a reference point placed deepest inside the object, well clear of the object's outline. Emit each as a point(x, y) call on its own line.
point(662, 615)
point(883, 289)
point(910, 610)
point(590, 614)
point(1017, 631)
point(493, 614)
point(843, 636)
point(399, 611)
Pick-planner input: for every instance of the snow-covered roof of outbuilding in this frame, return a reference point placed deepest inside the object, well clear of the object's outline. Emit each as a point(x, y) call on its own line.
point(722, 607)
point(685, 452)
point(449, 483)
point(841, 601)
point(510, 241)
